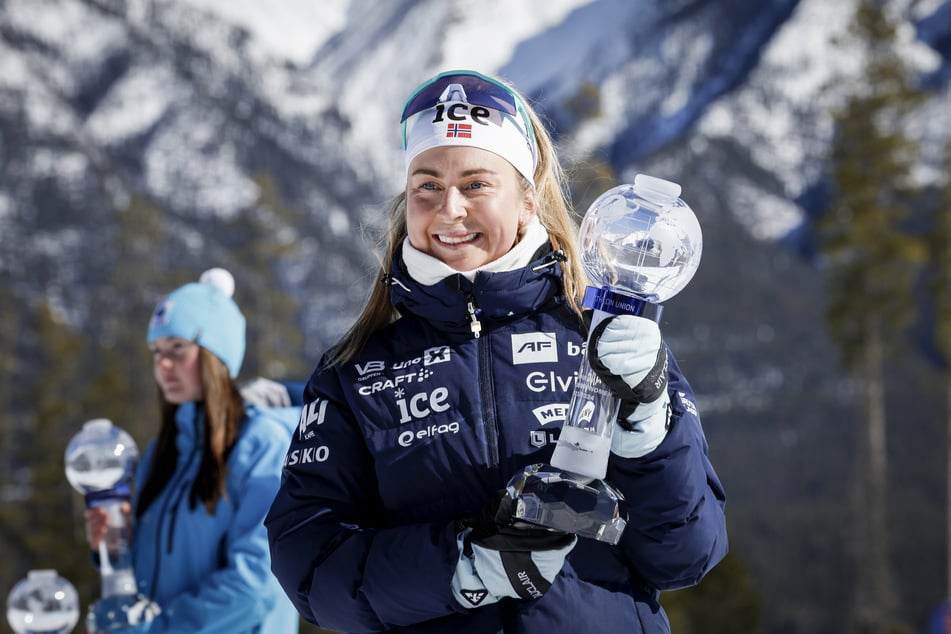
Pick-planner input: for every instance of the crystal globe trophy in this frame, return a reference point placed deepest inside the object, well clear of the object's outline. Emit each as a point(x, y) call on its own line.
point(100, 463)
point(640, 246)
point(43, 603)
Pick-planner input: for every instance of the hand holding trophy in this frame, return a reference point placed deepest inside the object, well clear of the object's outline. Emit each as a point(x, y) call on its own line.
point(640, 245)
point(100, 464)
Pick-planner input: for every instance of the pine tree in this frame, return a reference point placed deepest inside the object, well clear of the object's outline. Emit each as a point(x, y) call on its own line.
point(47, 523)
point(122, 387)
point(870, 263)
point(725, 601)
point(274, 340)
point(940, 259)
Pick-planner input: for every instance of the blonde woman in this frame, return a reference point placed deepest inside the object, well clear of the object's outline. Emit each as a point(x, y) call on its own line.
point(451, 381)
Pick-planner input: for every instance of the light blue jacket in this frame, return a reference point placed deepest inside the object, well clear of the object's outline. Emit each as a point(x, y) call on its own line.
point(211, 573)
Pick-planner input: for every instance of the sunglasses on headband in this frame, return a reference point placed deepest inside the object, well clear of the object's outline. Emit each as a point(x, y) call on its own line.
point(479, 90)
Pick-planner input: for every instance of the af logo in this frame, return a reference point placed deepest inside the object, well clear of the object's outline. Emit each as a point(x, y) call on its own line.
point(534, 347)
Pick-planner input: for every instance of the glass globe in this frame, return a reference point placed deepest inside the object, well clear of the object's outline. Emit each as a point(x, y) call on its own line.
point(641, 239)
point(100, 457)
point(43, 602)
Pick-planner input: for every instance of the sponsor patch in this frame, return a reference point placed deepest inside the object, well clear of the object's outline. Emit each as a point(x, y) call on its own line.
point(475, 597)
point(551, 413)
point(534, 347)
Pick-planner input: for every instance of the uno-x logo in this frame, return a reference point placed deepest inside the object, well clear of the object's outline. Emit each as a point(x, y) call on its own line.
point(439, 354)
point(534, 347)
point(311, 413)
point(430, 356)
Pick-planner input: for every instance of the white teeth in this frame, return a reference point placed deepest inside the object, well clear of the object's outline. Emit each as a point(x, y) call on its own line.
point(457, 240)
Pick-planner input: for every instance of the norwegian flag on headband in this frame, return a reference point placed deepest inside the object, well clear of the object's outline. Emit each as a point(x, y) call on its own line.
point(459, 130)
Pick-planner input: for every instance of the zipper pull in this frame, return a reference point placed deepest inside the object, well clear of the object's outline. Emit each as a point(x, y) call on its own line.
point(475, 326)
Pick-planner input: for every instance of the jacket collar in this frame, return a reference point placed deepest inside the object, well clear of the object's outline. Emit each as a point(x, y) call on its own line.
point(495, 297)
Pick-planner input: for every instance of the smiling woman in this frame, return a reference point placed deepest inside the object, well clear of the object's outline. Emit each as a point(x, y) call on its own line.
point(459, 206)
point(451, 381)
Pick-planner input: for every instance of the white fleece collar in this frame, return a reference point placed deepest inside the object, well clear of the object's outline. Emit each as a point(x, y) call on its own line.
point(428, 270)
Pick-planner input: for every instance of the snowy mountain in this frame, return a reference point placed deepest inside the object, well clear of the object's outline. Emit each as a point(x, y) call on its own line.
point(281, 118)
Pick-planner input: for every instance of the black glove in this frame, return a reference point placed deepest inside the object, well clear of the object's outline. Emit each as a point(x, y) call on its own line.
point(499, 558)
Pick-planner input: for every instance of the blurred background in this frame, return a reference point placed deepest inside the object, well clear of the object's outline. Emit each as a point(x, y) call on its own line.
point(143, 141)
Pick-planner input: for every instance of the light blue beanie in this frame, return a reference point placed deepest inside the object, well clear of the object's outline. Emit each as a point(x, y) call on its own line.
point(204, 312)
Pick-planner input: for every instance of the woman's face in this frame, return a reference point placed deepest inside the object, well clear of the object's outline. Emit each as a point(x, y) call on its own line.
point(177, 369)
point(465, 205)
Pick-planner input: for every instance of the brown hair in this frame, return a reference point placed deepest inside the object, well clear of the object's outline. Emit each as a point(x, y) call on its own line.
point(223, 414)
point(553, 208)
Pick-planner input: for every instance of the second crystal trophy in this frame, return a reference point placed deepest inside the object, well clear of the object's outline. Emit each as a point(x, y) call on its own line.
point(43, 603)
point(640, 245)
point(100, 463)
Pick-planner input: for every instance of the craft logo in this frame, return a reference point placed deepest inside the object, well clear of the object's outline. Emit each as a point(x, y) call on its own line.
point(534, 347)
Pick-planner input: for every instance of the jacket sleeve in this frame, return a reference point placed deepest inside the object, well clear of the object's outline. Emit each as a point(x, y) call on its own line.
point(676, 529)
point(237, 593)
point(341, 566)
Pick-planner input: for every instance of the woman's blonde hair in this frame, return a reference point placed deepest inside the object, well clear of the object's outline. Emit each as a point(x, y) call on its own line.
point(552, 206)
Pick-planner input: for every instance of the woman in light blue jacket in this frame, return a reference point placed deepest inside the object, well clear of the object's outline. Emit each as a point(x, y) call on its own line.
point(199, 546)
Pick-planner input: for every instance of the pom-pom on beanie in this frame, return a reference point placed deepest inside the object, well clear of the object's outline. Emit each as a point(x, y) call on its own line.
point(205, 313)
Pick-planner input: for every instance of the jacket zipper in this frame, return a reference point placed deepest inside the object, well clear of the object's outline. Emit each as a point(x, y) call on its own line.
point(485, 379)
point(182, 487)
point(474, 311)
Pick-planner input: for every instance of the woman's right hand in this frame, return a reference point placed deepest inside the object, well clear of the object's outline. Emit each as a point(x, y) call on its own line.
point(97, 523)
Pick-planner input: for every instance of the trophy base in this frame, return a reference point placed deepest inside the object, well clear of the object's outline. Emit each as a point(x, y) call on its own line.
point(545, 496)
point(119, 612)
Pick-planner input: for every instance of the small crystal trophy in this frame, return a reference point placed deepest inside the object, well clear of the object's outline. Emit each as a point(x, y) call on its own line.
point(641, 245)
point(43, 603)
point(100, 463)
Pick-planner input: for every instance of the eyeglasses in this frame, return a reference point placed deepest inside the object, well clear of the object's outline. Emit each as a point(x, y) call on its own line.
point(177, 352)
point(477, 89)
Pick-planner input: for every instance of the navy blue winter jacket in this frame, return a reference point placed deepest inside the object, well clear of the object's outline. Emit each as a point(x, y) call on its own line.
point(421, 428)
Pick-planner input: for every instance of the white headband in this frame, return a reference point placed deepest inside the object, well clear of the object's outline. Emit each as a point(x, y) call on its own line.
point(458, 123)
